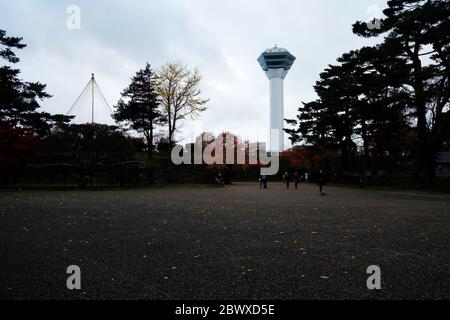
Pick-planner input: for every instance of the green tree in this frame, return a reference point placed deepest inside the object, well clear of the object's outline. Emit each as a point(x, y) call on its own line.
point(87, 146)
point(139, 108)
point(360, 99)
point(19, 100)
point(21, 121)
point(330, 121)
point(418, 29)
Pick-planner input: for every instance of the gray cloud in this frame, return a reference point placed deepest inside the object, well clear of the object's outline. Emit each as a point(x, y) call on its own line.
point(222, 38)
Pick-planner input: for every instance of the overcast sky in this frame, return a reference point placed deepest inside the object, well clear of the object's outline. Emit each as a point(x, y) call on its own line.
point(222, 38)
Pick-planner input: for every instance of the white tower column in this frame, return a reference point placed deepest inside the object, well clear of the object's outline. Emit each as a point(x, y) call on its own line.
point(276, 114)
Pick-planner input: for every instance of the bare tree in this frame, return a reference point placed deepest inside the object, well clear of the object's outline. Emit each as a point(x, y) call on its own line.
point(178, 89)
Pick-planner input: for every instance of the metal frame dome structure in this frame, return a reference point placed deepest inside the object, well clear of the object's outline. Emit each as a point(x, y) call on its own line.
point(89, 153)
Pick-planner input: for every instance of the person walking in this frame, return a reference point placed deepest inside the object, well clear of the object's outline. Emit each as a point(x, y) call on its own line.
point(296, 179)
point(263, 181)
point(321, 181)
point(307, 177)
point(286, 179)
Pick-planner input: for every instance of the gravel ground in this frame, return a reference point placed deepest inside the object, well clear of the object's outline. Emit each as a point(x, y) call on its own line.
point(237, 242)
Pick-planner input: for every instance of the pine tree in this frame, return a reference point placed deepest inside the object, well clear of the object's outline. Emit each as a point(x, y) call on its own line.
point(19, 100)
point(361, 98)
point(139, 107)
point(419, 31)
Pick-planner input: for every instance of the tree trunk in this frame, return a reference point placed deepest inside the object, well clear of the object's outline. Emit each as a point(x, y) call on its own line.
point(147, 142)
point(170, 137)
point(150, 146)
point(420, 102)
point(346, 153)
point(169, 122)
point(367, 167)
point(150, 156)
point(172, 128)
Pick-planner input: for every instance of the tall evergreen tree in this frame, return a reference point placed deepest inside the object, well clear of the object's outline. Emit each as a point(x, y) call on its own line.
point(330, 121)
point(419, 31)
point(139, 107)
point(19, 100)
point(362, 99)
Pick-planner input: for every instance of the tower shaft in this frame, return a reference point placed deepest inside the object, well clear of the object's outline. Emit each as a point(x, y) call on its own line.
point(276, 114)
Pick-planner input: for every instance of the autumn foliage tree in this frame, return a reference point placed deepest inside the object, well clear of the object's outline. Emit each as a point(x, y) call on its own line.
point(17, 148)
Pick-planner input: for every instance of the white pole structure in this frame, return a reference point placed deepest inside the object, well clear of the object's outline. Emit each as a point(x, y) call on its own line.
point(276, 63)
point(93, 83)
point(92, 88)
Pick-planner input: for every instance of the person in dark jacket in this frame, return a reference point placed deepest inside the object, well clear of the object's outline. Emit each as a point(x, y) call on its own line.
point(296, 179)
point(321, 181)
point(286, 179)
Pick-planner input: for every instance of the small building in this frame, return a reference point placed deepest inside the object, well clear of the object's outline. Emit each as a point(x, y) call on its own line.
point(443, 164)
